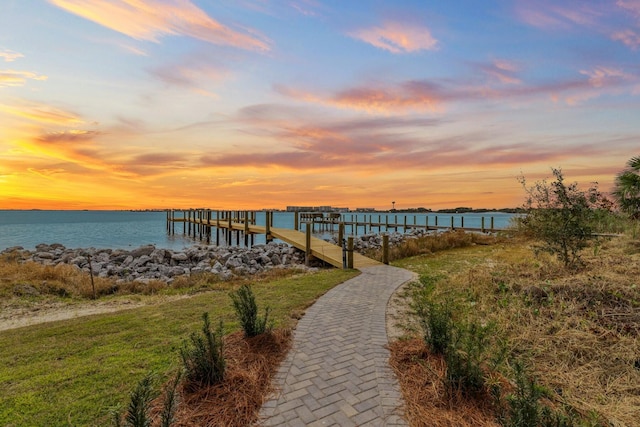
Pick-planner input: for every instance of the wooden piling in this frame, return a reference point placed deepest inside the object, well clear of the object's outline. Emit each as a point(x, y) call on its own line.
point(267, 227)
point(385, 249)
point(307, 244)
point(350, 252)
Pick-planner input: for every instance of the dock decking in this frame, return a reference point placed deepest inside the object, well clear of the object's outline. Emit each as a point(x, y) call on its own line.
point(318, 248)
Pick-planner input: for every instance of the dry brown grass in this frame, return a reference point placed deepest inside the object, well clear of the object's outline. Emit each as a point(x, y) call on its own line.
point(434, 243)
point(579, 329)
point(251, 364)
point(427, 403)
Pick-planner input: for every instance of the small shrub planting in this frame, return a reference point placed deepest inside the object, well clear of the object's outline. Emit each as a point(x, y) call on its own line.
point(203, 360)
point(244, 303)
point(473, 352)
point(435, 318)
point(137, 414)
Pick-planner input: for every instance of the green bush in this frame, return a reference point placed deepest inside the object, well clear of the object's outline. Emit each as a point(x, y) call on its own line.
point(561, 216)
point(203, 360)
point(436, 321)
point(138, 411)
point(137, 414)
point(244, 303)
point(474, 350)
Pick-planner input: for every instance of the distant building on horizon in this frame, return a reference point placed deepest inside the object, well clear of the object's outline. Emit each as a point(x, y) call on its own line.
point(315, 209)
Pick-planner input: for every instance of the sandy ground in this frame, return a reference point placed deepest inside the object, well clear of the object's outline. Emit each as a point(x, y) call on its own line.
point(17, 317)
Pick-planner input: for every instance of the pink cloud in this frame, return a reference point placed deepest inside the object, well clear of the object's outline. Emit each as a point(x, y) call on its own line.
point(632, 6)
point(152, 19)
point(629, 37)
point(501, 70)
point(397, 37)
point(546, 14)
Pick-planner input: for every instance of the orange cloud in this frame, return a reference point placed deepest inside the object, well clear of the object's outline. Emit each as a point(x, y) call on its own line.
point(10, 78)
point(152, 19)
point(410, 95)
point(42, 113)
point(397, 37)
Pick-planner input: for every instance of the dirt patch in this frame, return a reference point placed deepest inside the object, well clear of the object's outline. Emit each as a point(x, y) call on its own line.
point(20, 315)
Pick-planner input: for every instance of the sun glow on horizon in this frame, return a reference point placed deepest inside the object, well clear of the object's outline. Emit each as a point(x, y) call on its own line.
point(153, 104)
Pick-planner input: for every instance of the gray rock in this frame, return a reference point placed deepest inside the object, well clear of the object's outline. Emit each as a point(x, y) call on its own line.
point(143, 250)
point(180, 256)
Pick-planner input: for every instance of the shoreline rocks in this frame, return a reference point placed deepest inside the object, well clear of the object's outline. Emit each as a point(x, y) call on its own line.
point(147, 262)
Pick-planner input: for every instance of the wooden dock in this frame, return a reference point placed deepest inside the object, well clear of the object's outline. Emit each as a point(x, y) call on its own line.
point(217, 227)
point(199, 223)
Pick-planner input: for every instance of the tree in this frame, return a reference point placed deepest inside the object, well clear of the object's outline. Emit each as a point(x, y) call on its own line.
point(560, 216)
point(627, 188)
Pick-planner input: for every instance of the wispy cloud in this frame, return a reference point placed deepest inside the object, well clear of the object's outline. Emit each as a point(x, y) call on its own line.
point(42, 113)
point(628, 37)
point(9, 55)
point(152, 19)
point(435, 95)
point(632, 6)
point(190, 73)
point(12, 78)
point(501, 70)
point(550, 15)
point(410, 95)
point(69, 136)
point(397, 37)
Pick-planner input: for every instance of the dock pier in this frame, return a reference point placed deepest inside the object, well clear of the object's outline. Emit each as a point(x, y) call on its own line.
point(242, 227)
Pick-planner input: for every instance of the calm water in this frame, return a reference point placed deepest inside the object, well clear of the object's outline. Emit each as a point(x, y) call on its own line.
point(124, 229)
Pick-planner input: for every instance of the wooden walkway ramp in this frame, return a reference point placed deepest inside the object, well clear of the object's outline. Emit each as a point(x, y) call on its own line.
point(320, 249)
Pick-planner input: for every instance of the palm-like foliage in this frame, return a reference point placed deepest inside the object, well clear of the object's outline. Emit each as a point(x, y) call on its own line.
point(627, 188)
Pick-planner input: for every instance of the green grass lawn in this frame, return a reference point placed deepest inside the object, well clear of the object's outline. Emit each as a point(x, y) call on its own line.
point(75, 372)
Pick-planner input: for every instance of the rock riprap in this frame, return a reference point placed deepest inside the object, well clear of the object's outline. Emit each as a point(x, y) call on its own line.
point(151, 263)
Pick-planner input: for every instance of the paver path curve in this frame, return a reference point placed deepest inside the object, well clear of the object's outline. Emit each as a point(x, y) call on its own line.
point(337, 372)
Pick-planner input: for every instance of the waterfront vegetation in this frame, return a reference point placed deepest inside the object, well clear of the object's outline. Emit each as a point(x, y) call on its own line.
point(75, 372)
point(500, 334)
point(567, 338)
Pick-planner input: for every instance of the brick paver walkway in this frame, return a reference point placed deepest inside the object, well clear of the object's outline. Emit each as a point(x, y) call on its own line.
point(337, 373)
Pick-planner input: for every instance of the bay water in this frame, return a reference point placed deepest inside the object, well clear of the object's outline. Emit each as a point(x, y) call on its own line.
point(131, 229)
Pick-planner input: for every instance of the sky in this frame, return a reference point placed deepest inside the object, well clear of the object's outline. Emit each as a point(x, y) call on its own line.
point(239, 104)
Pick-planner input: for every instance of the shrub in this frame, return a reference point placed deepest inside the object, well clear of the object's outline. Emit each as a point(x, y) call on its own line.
point(437, 325)
point(472, 350)
point(561, 216)
point(138, 411)
point(203, 360)
point(244, 303)
point(137, 414)
point(525, 408)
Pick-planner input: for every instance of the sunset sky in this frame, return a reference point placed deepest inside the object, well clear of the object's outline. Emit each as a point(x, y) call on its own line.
point(240, 104)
